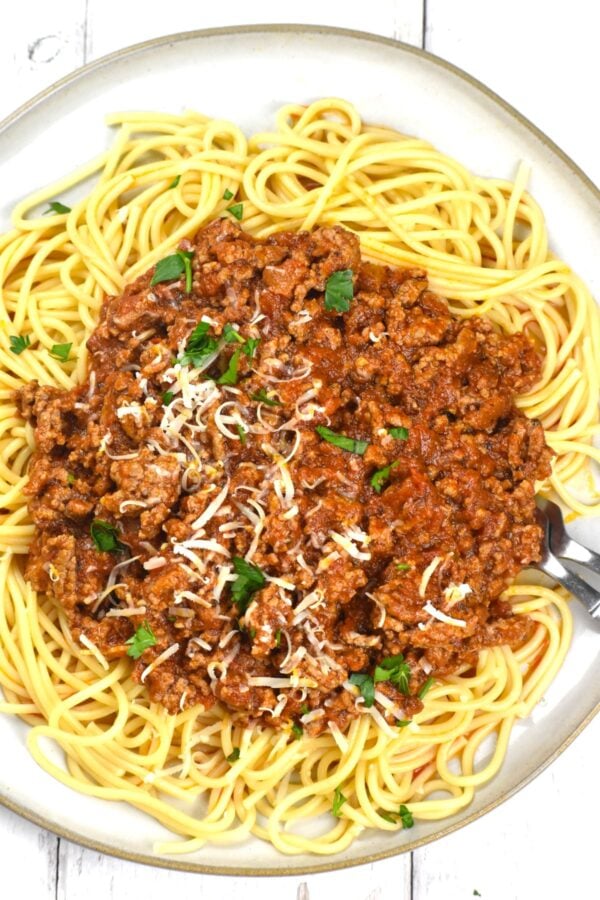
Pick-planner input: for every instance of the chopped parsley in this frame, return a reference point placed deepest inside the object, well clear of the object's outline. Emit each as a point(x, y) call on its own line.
point(174, 183)
point(57, 208)
point(278, 637)
point(406, 817)
point(338, 802)
point(105, 536)
point(228, 195)
point(141, 640)
point(339, 291)
point(242, 433)
point(230, 375)
point(249, 579)
point(400, 433)
point(402, 723)
point(304, 709)
point(353, 445)
point(379, 478)
point(261, 396)
point(297, 730)
point(199, 346)
point(167, 397)
point(173, 267)
point(237, 211)
point(394, 669)
point(18, 343)
point(403, 567)
point(426, 687)
point(61, 351)
point(364, 682)
point(234, 755)
point(231, 335)
point(70, 478)
point(249, 346)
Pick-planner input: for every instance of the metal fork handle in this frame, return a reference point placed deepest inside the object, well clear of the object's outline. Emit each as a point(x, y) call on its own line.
point(580, 589)
point(578, 553)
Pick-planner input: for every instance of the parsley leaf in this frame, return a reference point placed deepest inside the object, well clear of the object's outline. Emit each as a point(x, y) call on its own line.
point(401, 433)
point(105, 536)
point(230, 375)
point(403, 567)
point(174, 183)
point(278, 637)
point(70, 478)
point(173, 267)
point(304, 709)
point(262, 397)
point(338, 802)
point(249, 346)
point(167, 397)
point(249, 579)
point(237, 211)
point(476, 893)
point(243, 434)
point(339, 291)
point(394, 669)
point(141, 640)
point(426, 687)
point(228, 195)
point(18, 343)
point(366, 685)
point(230, 335)
point(61, 351)
point(199, 346)
point(297, 731)
point(402, 723)
point(341, 440)
point(406, 817)
point(57, 208)
point(234, 755)
point(379, 478)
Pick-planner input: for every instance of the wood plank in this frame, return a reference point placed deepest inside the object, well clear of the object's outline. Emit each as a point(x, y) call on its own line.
point(402, 20)
point(540, 843)
point(41, 43)
point(28, 858)
point(541, 58)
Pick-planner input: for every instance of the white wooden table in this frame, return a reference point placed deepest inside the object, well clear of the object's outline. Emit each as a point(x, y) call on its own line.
point(542, 844)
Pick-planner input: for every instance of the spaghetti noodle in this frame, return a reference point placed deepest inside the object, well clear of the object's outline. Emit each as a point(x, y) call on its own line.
point(484, 245)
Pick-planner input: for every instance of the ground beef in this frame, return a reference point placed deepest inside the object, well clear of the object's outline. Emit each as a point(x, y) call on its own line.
point(195, 443)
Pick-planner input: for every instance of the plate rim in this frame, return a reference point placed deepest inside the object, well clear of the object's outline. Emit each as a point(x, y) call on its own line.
point(331, 865)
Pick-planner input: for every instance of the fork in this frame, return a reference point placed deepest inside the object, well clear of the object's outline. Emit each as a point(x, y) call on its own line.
point(557, 543)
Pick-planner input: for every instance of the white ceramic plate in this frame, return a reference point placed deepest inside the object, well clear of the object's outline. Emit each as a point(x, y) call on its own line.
point(245, 74)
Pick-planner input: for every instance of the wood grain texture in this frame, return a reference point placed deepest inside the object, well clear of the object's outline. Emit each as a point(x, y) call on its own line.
point(541, 843)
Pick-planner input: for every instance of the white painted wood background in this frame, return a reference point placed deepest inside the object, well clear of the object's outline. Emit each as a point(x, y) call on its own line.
point(542, 57)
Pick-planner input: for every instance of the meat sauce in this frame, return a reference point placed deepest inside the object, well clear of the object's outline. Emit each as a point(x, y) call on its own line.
point(290, 575)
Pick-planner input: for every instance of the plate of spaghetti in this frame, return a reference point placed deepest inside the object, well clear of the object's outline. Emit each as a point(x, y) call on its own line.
point(283, 367)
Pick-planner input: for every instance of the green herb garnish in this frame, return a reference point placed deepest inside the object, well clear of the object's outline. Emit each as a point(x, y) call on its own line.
point(249, 579)
point(167, 398)
point(394, 669)
point(262, 397)
point(242, 433)
point(173, 267)
point(379, 478)
point(278, 637)
point(18, 343)
point(297, 731)
point(426, 687)
point(230, 375)
point(61, 351)
point(406, 817)
point(230, 335)
point(338, 802)
point(339, 291)
point(353, 445)
point(199, 346)
point(174, 183)
point(237, 211)
point(57, 207)
point(249, 347)
point(228, 195)
point(403, 567)
point(402, 723)
point(400, 433)
point(141, 640)
point(476, 893)
point(366, 685)
point(387, 817)
point(304, 709)
point(105, 536)
point(70, 478)
point(234, 755)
